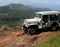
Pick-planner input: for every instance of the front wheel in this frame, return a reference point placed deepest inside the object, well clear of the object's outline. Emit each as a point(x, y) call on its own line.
point(31, 31)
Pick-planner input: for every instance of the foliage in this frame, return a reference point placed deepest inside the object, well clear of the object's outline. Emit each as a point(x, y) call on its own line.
point(13, 14)
point(53, 42)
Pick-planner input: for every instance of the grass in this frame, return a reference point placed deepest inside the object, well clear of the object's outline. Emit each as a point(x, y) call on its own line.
point(53, 42)
point(9, 27)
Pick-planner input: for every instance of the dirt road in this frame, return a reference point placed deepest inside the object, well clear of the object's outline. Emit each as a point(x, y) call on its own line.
point(17, 38)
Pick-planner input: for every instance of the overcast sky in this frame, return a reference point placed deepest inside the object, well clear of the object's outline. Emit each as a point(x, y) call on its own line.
point(53, 4)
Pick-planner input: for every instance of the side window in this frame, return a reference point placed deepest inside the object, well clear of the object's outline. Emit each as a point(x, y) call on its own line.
point(45, 18)
point(59, 17)
point(53, 17)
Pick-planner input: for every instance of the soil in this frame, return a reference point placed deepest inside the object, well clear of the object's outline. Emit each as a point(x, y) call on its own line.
point(17, 38)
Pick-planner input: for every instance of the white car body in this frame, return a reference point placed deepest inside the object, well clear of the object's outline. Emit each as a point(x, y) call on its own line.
point(38, 20)
point(34, 21)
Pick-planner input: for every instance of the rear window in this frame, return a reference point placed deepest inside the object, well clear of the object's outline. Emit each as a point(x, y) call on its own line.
point(53, 17)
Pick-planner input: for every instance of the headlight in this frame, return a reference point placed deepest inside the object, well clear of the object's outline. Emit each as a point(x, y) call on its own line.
point(25, 23)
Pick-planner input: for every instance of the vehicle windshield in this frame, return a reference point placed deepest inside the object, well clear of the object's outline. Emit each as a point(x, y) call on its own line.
point(38, 15)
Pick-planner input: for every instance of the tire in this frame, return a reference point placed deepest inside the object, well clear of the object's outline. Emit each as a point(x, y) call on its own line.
point(54, 27)
point(31, 31)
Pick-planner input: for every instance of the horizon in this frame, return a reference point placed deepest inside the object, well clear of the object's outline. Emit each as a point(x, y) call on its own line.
point(52, 4)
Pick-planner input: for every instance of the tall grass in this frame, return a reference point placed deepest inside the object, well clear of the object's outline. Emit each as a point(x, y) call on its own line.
point(53, 42)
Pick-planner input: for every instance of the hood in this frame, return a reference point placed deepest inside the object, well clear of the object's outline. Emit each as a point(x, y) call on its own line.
point(34, 19)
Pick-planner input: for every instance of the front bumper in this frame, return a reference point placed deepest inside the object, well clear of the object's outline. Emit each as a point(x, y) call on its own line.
point(24, 28)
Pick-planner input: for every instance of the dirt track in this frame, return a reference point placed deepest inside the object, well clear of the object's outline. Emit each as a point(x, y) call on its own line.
point(17, 38)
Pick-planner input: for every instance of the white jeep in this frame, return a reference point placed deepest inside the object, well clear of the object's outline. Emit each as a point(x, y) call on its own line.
point(42, 19)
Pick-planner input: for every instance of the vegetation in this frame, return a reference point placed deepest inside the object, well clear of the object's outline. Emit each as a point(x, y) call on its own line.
point(53, 42)
point(14, 14)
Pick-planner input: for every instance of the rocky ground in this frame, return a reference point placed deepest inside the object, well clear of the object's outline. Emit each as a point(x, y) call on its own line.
point(17, 38)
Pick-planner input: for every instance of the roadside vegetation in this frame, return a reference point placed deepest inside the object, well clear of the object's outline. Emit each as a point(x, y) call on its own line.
point(53, 42)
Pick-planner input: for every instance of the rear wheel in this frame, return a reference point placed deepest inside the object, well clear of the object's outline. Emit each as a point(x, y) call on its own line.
point(54, 27)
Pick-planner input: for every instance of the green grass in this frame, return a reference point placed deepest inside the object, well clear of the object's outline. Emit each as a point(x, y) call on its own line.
point(53, 42)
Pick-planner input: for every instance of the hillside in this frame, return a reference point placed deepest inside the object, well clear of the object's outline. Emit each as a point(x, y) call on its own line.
point(20, 10)
point(42, 9)
point(14, 13)
point(17, 10)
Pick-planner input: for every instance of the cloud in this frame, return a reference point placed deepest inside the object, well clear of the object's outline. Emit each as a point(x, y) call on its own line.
point(6, 2)
point(36, 3)
point(54, 4)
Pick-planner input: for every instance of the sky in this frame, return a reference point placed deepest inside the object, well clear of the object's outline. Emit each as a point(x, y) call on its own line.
point(52, 4)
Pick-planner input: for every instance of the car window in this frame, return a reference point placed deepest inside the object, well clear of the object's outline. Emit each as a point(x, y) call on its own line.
point(45, 18)
point(53, 17)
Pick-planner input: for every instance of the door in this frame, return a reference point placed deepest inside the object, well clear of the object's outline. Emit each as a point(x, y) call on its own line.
point(53, 17)
point(44, 20)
